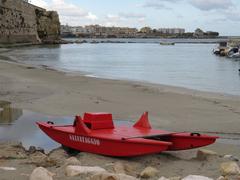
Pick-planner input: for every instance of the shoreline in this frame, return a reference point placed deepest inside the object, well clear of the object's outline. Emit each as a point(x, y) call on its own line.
point(164, 87)
point(141, 90)
point(161, 87)
point(79, 40)
point(144, 40)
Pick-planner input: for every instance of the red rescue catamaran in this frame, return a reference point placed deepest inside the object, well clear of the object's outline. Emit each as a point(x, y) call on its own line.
point(96, 133)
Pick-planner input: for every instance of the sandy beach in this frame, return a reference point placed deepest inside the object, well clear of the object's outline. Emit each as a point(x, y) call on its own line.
point(52, 92)
point(57, 93)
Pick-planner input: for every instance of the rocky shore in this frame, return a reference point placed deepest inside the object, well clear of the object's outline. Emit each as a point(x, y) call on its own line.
point(19, 163)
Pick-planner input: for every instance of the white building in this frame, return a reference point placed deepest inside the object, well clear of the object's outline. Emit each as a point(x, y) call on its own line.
point(171, 30)
point(78, 30)
point(66, 29)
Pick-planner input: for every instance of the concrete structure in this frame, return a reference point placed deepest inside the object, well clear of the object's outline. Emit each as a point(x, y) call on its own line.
point(22, 22)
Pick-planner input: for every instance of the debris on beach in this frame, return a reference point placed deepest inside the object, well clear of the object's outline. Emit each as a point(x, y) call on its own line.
point(196, 177)
point(8, 168)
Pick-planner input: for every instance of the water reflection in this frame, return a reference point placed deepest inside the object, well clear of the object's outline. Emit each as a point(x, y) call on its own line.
point(20, 125)
point(8, 114)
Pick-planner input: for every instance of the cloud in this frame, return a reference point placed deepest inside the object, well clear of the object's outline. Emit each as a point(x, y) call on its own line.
point(125, 16)
point(91, 16)
point(158, 5)
point(155, 5)
point(232, 14)
point(69, 13)
point(73, 14)
point(40, 3)
point(204, 5)
point(112, 17)
point(123, 19)
point(132, 15)
point(67, 9)
point(207, 5)
point(224, 8)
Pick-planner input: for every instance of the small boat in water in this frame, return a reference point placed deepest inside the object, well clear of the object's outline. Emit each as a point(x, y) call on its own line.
point(234, 52)
point(96, 133)
point(235, 55)
point(167, 43)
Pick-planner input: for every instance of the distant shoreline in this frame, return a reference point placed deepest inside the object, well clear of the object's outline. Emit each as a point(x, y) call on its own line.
point(144, 40)
point(69, 40)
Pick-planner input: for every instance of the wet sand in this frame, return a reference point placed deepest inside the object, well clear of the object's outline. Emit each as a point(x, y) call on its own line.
point(50, 92)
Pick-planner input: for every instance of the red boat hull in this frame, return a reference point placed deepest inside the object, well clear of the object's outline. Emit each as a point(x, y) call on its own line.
point(95, 133)
point(184, 141)
point(109, 147)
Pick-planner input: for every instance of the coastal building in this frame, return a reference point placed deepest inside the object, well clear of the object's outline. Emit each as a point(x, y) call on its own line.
point(103, 31)
point(98, 31)
point(66, 29)
point(78, 30)
point(91, 29)
point(171, 30)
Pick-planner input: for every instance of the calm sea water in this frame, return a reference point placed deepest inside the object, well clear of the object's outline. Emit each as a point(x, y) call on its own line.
point(185, 65)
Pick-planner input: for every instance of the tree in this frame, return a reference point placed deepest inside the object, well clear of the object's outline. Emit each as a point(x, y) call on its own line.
point(146, 30)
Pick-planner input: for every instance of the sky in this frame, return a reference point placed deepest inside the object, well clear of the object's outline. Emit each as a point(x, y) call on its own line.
point(210, 15)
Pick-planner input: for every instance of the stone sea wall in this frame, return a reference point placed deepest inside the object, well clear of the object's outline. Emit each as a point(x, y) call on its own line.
point(21, 22)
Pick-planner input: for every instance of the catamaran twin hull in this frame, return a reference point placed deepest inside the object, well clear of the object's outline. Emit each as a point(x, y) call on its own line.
point(96, 133)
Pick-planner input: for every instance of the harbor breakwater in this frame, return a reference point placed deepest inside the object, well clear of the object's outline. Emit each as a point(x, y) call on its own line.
point(22, 22)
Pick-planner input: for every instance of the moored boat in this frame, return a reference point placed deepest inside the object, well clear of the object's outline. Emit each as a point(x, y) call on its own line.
point(96, 133)
point(167, 43)
point(222, 49)
point(235, 55)
point(234, 52)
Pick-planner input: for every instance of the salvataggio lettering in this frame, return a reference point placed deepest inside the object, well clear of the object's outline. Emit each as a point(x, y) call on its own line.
point(83, 139)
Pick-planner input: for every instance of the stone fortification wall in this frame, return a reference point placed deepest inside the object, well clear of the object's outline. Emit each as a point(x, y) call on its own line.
point(21, 22)
point(48, 26)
